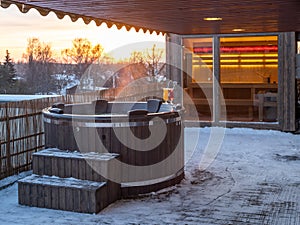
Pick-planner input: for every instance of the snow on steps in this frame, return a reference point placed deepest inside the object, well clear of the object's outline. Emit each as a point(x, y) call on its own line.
point(63, 193)
point(70, 181)
point(84, 166)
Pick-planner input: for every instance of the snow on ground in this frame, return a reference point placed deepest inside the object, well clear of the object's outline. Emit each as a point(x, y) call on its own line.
point(254, 179)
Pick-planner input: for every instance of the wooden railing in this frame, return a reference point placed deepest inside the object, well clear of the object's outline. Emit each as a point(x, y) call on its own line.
point(129, 93)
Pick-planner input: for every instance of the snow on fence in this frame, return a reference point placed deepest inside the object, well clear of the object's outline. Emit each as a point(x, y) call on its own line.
point(22, 128)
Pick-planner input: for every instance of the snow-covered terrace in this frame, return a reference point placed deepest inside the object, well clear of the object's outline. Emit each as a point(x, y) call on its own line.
point(254, 179)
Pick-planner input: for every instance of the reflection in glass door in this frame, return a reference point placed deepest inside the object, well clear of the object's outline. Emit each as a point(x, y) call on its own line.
point(199, 78)
point(249, 77)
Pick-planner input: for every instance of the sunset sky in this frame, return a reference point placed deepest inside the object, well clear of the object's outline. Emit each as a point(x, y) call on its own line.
point(16, 28)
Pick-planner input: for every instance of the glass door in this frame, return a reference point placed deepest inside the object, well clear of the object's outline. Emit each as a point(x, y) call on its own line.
point(249, 77)
point(199, 76)
point(247, 74)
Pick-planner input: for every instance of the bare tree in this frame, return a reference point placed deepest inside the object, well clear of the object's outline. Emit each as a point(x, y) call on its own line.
point(153, 61)
point(136, 57)
point(150, 59)
point(82, 53)
point(40, 61)
point(142, 64)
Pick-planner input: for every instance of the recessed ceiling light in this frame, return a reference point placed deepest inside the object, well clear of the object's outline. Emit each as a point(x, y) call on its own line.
point(212, 18)
point(238, 30)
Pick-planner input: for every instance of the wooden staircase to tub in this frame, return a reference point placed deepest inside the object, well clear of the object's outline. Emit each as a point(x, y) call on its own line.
point(67, 181)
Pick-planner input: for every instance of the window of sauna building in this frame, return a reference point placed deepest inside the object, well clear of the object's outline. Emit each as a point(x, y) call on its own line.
point(199, 78)
point(248, 77)
point(298, 78)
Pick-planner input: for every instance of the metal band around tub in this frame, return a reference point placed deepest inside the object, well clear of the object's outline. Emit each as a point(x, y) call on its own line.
point(113, 124)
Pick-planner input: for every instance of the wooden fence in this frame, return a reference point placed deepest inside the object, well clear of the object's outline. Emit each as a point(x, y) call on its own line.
point(128, 93)
point(22, 128)
point(21, 133)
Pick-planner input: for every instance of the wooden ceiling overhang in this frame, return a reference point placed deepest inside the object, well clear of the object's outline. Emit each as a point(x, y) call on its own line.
point(179, 17)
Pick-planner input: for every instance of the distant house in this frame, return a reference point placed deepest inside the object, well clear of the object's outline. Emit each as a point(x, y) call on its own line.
point(71, 90)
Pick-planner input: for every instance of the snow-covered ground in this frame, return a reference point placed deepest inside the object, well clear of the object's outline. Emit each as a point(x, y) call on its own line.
point(253, 179)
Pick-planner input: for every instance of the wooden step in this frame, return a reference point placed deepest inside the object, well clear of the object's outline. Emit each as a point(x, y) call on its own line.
point(84, 166)
point(68, 194)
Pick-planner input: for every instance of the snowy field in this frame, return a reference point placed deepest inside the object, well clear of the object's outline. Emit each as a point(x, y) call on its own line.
point(252, 177)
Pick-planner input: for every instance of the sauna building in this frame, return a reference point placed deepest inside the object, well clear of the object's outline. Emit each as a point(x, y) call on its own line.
point(238, 62)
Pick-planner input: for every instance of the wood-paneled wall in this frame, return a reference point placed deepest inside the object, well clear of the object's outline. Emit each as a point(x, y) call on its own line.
point(287, 79)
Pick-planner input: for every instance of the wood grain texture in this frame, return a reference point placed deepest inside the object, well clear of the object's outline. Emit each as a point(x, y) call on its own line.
point(63, 194)
point(177, 17)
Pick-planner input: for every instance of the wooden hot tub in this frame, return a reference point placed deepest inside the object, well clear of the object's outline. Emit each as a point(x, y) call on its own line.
point(148, 136)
